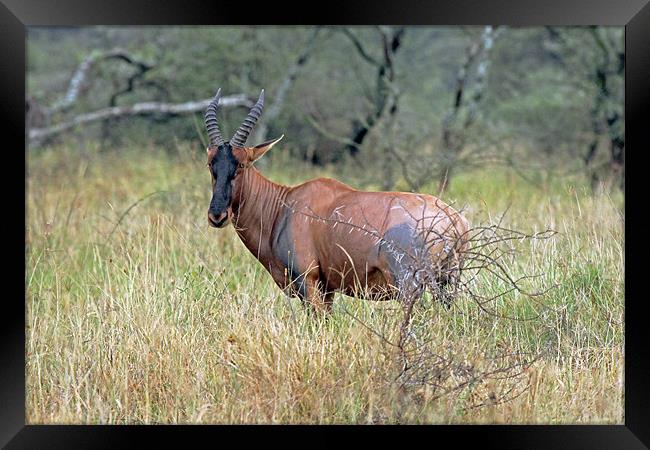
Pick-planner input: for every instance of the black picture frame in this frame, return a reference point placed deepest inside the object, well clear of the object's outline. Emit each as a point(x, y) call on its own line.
point(16, 15)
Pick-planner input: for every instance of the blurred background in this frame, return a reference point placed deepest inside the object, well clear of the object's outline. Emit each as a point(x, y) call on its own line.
point(391, 107)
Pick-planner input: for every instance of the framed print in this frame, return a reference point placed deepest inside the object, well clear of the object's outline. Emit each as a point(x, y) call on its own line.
point(412, 214)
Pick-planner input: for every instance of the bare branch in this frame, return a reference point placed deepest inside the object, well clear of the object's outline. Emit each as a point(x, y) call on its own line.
point(81, 73)
point(328, 134)
point(483, 254)
point(362, 51)
point(138, 109)
point(276, 107)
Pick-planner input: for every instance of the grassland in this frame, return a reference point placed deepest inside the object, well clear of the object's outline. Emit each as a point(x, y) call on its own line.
point(138, 312)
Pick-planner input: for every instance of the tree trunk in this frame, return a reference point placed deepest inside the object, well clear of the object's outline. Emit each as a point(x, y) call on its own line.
point(384, 95)
point(453, 135)
point(276, 107)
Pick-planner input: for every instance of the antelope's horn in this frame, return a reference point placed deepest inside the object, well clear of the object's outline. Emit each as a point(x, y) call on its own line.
point(211, 121)
point(240, 136)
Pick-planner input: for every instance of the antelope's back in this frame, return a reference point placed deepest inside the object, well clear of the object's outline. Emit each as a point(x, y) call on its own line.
point(371, 226)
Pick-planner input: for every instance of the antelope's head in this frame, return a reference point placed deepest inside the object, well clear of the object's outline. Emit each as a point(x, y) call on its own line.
point(228, 160)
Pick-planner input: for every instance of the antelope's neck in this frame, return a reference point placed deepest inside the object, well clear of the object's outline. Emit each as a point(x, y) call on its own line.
point(257, 202)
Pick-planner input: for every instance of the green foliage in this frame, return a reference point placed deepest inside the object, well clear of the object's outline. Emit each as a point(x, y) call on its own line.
point(539, 93)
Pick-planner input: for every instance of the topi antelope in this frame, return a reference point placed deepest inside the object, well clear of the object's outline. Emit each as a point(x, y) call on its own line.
point(323, 236)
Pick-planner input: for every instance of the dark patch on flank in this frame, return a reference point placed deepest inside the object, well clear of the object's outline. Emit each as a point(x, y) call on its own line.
point(283, 249)
point(402, 248)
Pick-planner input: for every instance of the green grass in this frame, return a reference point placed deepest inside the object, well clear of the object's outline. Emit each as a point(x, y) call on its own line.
point(138, 312)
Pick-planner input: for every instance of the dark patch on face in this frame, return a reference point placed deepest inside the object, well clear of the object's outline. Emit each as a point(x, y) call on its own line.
point(283, 249)
point(403, 249)
point(223, 166)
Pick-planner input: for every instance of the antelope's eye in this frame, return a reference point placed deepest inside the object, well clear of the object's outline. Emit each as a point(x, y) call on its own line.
point(242, 165)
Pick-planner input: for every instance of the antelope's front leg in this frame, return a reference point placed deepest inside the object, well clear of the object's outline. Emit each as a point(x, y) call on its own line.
point(320, 301)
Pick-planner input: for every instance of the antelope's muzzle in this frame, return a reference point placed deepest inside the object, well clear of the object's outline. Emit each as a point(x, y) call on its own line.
point(219, 221)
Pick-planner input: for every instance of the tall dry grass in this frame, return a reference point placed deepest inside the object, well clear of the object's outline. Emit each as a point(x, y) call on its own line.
point(138, 312)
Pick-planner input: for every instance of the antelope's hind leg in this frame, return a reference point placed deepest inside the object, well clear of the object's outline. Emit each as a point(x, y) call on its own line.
point(445, 292)
point(448, 286)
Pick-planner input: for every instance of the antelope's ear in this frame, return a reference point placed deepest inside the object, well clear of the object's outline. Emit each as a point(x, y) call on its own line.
point(255, 153)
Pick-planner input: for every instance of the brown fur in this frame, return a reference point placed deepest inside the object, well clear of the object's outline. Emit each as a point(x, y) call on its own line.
point(335, 232)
